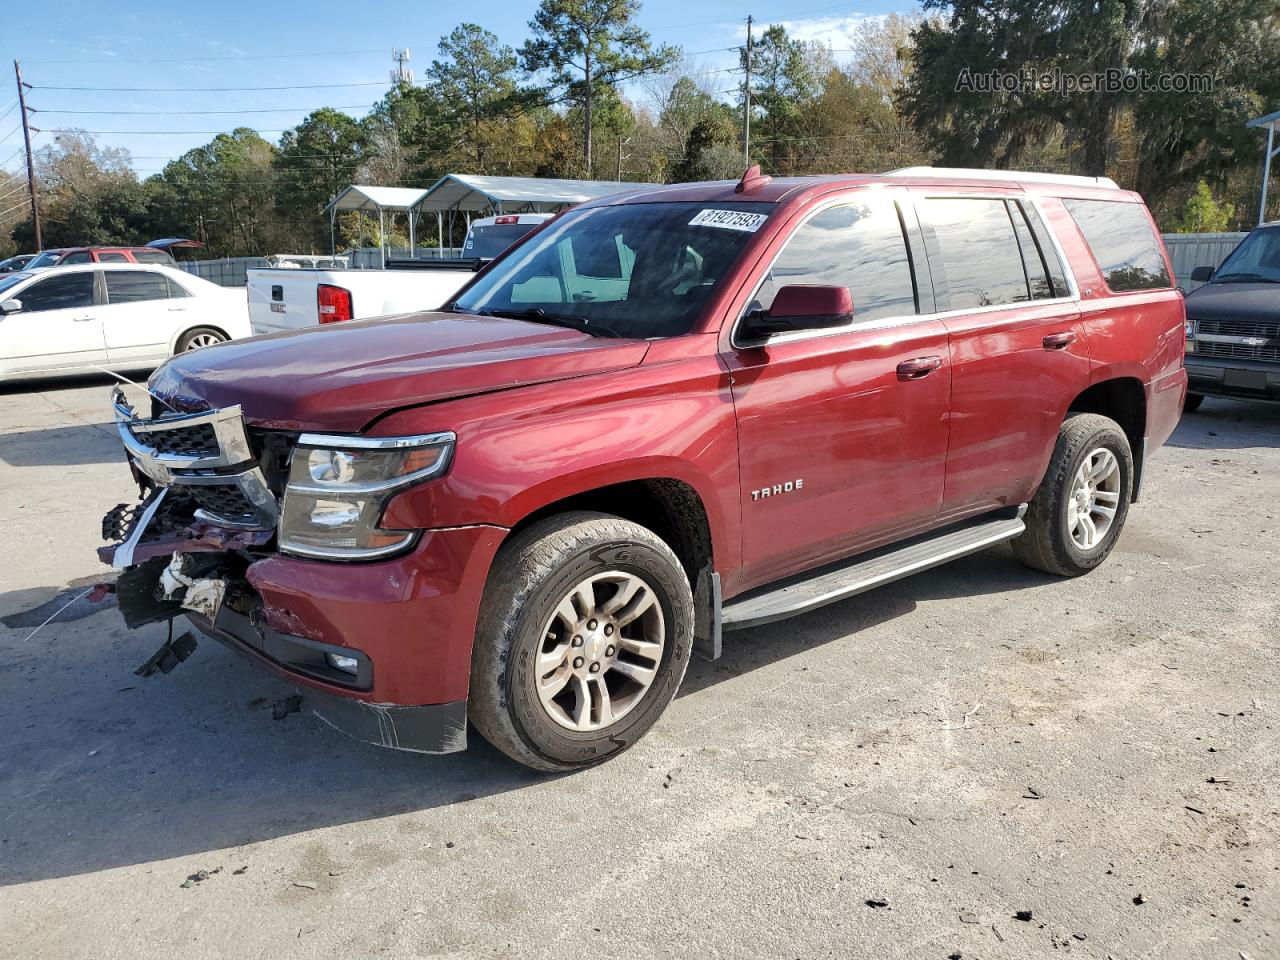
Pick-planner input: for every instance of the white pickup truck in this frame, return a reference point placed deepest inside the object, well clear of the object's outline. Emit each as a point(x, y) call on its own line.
point(292, 298)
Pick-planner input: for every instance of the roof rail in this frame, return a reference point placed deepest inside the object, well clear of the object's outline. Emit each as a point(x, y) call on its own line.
point(962, 173)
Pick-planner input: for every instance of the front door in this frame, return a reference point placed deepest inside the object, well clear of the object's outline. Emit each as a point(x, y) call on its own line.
point(842, 435)
point(58, 327)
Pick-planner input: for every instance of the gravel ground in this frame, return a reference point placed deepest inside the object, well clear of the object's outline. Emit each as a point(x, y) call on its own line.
point(900, 775)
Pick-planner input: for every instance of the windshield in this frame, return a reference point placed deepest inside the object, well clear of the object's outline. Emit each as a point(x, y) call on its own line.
point(634, 270)
point(47, 259)
point(1257, 258)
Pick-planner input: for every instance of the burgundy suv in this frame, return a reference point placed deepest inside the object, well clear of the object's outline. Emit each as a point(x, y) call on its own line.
point(659, 417)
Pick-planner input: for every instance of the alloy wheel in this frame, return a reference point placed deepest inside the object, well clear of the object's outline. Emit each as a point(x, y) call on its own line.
point(1094, 498)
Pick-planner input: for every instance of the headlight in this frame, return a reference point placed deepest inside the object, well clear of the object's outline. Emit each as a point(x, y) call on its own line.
point(1189, 326)
point(339, 485)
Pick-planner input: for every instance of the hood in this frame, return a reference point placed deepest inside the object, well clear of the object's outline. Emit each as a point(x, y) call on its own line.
point(1239, 301)
point(340, 377)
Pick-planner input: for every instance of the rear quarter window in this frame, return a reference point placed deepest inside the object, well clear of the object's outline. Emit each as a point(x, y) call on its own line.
point(1123, 244)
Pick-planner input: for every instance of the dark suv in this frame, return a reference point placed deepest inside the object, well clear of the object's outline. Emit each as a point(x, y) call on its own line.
point(1233, 323)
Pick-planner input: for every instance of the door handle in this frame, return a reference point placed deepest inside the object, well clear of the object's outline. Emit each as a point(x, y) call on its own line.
point(81, 319)
point(176, 309)
point(918, 367)
point(1059, 341)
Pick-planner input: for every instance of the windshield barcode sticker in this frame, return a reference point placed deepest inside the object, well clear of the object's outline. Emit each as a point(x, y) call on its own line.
point(729, 220)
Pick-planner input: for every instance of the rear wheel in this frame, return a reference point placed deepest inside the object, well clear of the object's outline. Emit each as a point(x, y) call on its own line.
point(584, 636)
point(1076, 516)
point(199, 337)
point(1192, 403)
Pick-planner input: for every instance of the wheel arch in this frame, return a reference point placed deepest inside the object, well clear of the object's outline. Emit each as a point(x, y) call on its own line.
point(1124, 400)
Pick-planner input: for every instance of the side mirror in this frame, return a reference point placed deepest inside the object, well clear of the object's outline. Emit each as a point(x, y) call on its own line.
point(800, 307)
point(10, 306)
point(1202, 274)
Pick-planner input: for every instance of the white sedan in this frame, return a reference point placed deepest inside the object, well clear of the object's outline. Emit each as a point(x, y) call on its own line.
point(121, 316)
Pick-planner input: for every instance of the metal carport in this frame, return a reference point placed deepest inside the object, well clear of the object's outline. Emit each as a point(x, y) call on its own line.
point(1270, 123)
point(383, 199)
point(456, 193)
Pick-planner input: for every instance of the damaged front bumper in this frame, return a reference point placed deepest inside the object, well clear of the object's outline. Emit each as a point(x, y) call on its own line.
point(433, 728)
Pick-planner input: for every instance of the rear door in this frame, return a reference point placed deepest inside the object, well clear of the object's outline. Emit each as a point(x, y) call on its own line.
point(1016, 344)
point(842, 434)
point(58, 326)
point(142, 313)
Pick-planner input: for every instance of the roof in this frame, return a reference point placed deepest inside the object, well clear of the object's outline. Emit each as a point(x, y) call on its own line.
point(1004, 176)
point(1270, 120)
point(361, 197)
point(459, 191)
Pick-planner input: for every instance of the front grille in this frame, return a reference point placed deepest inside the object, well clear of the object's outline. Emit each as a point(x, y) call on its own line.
point(223, 501)
point(194, 441)
point(1240, 328)
point(1237, 351)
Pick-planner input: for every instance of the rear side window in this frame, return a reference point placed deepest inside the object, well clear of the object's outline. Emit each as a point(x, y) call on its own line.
point(977, 252)
point(1123, 243)
point(66, 292)
point(859, 245)
point(111, 257)
point(152, 256)
point(176, 289)
point(133, 286)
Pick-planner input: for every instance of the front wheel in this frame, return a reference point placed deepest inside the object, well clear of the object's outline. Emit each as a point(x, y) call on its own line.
point(1076, 516)
point(584, 635)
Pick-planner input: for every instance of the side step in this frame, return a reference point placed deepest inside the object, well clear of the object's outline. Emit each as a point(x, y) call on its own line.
point(859, 574)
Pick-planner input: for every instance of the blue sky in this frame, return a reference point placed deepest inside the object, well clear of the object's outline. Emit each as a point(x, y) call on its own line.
point(240, 44)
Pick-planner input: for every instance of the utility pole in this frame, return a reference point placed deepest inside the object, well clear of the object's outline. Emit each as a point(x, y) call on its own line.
point(746, 102)
point(621, 143)
point(31, 169)
point(402, 74)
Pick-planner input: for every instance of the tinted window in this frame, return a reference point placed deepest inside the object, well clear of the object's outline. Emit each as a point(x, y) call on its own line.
point(109, 257)
point(978, 253)
point(132, 286)
point(1123, 243)
point(486, 242)
point(672, 256)
point(1032, 262)
point(46, 259)
point(152, 256)
point(81, 257)
point(858, 245)
point(176, 289)
point(70, 290)
point(1048, 253)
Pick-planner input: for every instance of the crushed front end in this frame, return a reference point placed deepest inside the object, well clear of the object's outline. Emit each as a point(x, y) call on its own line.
point(269, 541)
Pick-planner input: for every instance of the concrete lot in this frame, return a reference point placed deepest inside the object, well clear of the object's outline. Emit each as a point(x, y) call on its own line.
point(974, 742)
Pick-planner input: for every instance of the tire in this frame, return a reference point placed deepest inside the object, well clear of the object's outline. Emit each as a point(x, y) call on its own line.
point(1192, 403)
point(523, 617)
point(198, 337)
point(1052, 541)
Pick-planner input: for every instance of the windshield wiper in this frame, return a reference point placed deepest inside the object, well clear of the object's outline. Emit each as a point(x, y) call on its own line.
point(1244, 278)
point(538, 315)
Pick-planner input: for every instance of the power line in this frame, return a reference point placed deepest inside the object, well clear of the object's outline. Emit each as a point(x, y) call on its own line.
point(311, 86)
point(162, 133)
point(165, 113)
point(244, 56)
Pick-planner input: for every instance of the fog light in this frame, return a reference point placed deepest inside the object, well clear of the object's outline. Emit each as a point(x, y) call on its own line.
point(346, 664)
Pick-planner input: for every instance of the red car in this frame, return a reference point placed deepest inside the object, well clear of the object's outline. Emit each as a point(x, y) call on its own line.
point(658, 418)
point(63, 255)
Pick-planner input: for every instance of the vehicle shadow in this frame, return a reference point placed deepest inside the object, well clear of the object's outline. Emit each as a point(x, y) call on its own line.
point(1222, 424)
point(102, 769)
point(62, 446)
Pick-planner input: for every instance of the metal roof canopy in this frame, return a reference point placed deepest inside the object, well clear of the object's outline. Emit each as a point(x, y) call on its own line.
point(468, 193)
point(1271, 123)
point(382, 199)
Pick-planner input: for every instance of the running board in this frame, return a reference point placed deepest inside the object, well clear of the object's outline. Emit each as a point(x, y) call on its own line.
point(859, 574)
